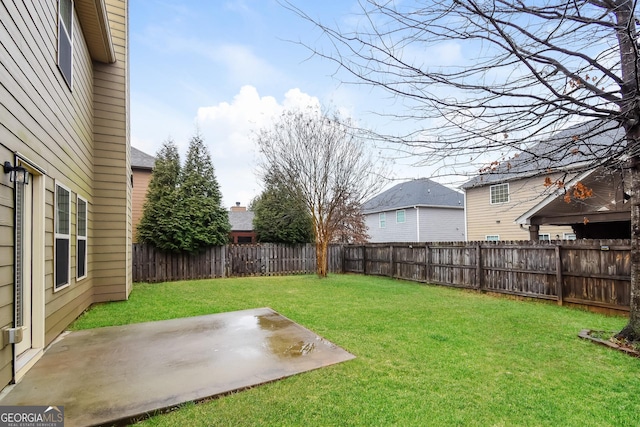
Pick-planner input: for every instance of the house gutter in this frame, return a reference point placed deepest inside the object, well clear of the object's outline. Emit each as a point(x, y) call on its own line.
point(466, 225)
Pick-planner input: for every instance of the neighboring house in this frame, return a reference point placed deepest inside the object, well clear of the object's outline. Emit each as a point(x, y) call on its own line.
point(141, 166)
point(420, 210)
point(496, 200)
point(65, 235)
point(604, 215)
point(241, 221)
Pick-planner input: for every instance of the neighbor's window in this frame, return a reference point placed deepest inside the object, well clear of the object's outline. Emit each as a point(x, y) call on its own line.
point(499, 193)
point(62, 252)
point(65, 39)
point(400, 216)
point(382, 220)
point(492, 238)
point(81, 239)
point(544, 236)
point(569, 236)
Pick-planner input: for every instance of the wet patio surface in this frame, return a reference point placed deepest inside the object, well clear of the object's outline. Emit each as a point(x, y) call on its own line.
point(114, 374)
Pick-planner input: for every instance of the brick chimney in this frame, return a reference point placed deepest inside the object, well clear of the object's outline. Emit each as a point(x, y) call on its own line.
point(238, 208)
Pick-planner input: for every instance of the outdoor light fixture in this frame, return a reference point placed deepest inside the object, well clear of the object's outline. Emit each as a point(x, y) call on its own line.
point(17, 173)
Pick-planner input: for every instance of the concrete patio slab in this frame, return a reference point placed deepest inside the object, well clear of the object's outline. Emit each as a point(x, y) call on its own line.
point(106, 375)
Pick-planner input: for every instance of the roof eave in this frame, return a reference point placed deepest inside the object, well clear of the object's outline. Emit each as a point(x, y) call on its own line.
point(95, 27)
point(525, 218)
point(387, 209)
point(526, 175)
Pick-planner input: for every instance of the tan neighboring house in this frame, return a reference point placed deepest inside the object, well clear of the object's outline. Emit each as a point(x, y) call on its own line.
point(142, 167)
point(496, 201)
point(65, 235)
point(604, 215)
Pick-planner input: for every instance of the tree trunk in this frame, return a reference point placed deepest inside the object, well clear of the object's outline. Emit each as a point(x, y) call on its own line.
point(321, 257)
point(631, 331)
point(630, 112)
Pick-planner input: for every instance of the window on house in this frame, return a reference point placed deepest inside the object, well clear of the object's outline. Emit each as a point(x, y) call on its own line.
point(544, 236)
point(62, 250)
point(569, 236)
point(65, 39)
point(400, 216)
point(492, 238)
point(382, 220)
point(81, 239)
point(499, 193)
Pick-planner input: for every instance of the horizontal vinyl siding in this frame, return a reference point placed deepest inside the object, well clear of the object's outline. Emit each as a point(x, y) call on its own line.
point(484, 219)
point(436, 225)
point(55, 127)
point(49, 124)
point(141, 179)
point(441, 225)
point(393, 232)
point(112, 219)
point(6, 266)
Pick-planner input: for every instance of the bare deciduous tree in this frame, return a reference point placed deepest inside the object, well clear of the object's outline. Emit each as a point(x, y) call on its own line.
point(327, 162)
point(486, 76)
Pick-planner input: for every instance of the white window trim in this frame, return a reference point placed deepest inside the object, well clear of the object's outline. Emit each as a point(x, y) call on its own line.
point(404, 216)
point(565, 236)
point(547, 235)
point(498, 185)
point(61, 236)
point(79, 237)
point(382, 220)
point(497, 236)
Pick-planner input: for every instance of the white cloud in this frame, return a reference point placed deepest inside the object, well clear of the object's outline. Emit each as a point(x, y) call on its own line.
point(228, 130)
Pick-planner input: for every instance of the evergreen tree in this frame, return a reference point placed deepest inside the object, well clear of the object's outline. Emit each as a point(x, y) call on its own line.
point(203, 222)
point(281, 215)
point(160, 220)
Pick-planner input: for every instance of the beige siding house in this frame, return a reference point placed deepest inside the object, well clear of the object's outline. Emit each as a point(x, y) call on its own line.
point(65, 235)
point(492, 218)
point(142, 167)
point(604, 215)
point(496, 200)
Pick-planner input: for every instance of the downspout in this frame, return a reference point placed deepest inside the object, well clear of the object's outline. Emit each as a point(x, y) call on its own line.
point(466, 227)
point(417, 223)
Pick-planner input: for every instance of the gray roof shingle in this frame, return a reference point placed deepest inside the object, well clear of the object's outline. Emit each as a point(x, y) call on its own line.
point(418, 192)
point(579, 146)
point(141, 160)
point(241, 220)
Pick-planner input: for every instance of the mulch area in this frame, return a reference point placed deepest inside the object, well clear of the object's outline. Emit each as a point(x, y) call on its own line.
point(627, 348)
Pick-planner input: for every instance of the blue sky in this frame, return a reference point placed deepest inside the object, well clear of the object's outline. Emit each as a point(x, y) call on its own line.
point(227, 68)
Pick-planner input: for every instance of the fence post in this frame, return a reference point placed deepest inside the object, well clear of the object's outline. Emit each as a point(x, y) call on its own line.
point(559, 287)
point(392, 269)
point(479, 274)
point(364, 260)
point(427, 263)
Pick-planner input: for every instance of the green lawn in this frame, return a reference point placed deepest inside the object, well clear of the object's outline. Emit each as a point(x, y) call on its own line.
point(426, 355)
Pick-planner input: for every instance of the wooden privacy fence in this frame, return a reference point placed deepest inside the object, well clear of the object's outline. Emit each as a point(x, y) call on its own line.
point(585, 272)
point(153, 265)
